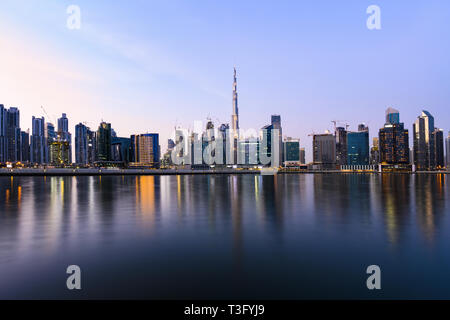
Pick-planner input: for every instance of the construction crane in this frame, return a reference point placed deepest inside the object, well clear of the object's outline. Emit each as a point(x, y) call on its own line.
point(335, 122)
point(48, 117)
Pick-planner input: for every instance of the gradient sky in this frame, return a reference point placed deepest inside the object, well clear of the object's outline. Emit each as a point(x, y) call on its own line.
point(146, 66)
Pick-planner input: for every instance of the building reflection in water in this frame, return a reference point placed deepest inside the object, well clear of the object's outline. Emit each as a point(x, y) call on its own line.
point(396, 204)
point(430, 203)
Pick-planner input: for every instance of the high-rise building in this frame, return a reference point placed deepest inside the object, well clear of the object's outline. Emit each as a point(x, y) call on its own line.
point(375, 151)
point(63, 133)
point(25, 146)
point(104, 142)
point(392, 116)
point(358, 148)
point(291, 152)
point(324, 150)
point(3, 145)
point(438, 140)
point(423, 147)
point(38, 152)
point(341, 145)
point(145, 150)
point(50, 133)
point(266, 142)
point(302, 156)
point(59, 152)
point(91, 146)
point(394, 142)
point(235, 115)
point(120, 149)
point(276, 124)
point(81, 144)
point(447, 150)
point(13, 135)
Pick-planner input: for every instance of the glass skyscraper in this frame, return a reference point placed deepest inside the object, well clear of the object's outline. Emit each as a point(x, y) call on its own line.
point(393, 140)
point(358, 147)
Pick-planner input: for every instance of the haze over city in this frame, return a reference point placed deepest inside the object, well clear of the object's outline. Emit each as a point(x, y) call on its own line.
point(146, 67)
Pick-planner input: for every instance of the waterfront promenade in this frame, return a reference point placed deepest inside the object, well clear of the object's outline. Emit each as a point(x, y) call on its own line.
point(119, 172)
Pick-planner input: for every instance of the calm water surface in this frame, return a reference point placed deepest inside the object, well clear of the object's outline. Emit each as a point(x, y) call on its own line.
point(225, 236)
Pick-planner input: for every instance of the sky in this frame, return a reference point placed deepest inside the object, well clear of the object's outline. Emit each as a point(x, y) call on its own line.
point(147, 66)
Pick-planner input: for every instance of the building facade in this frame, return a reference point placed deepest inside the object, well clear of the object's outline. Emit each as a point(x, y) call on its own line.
point(393, 141)
point(38, 144)
point(145, 150)
point(324, 151)
point(358, 147)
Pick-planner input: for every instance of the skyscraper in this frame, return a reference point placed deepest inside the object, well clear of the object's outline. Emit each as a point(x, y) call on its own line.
point(392, 116)
point(38, 153)
point(276, 124)
point(13, 135)
point(341, 145)
point(291, 152)
point(81, 144)
point(235, 115)
point(25, 146)
point(324, 150)
point(375, 151)
point(438, 140)
point(104, 142)
point(3, 146)
point(145, 149)
point(423, 146)
point(358, 146)
point(394, 142)
point(63, 133)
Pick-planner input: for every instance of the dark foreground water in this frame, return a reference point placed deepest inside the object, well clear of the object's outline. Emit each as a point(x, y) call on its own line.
point(282, 237)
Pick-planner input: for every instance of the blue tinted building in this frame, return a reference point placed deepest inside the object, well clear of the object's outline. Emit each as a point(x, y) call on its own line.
point(358, 148)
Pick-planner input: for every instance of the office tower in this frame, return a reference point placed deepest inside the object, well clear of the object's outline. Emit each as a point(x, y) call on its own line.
point(25, 146)
point(393, 141)
point(302, 156)
point(120, 149)
point(59, 151)
point(104, 142)
point(291, 152)
point(170, 145)
point(447, 149)
point(324, 150)
point(50, 133)
point(276, 124)
point(438, 141)
point(392, 116)
point(424, 154)
point(223, 133)
point(81, 144)
point(341, 145)
point(63, 126)
point(266, 142)
point(38, 152)
point(358, 147)
point(91, 146)
point(375, 152)
point(13, 135)
point(63, 133)
point(3, 148)
point(248, 152)
point(145, 149)
point(235, 115)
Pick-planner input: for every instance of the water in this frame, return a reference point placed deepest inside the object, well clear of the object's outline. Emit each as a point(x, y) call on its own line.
point(225, 236)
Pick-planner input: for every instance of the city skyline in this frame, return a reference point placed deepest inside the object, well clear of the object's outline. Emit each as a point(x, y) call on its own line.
point(125, 71)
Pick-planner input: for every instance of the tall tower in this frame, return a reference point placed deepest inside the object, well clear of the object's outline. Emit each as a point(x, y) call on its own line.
point(235, 116)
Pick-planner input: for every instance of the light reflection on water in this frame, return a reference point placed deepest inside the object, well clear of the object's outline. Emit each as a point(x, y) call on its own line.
point(225, 236)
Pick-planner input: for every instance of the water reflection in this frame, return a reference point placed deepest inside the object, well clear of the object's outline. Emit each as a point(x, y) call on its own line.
point(232, 220)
